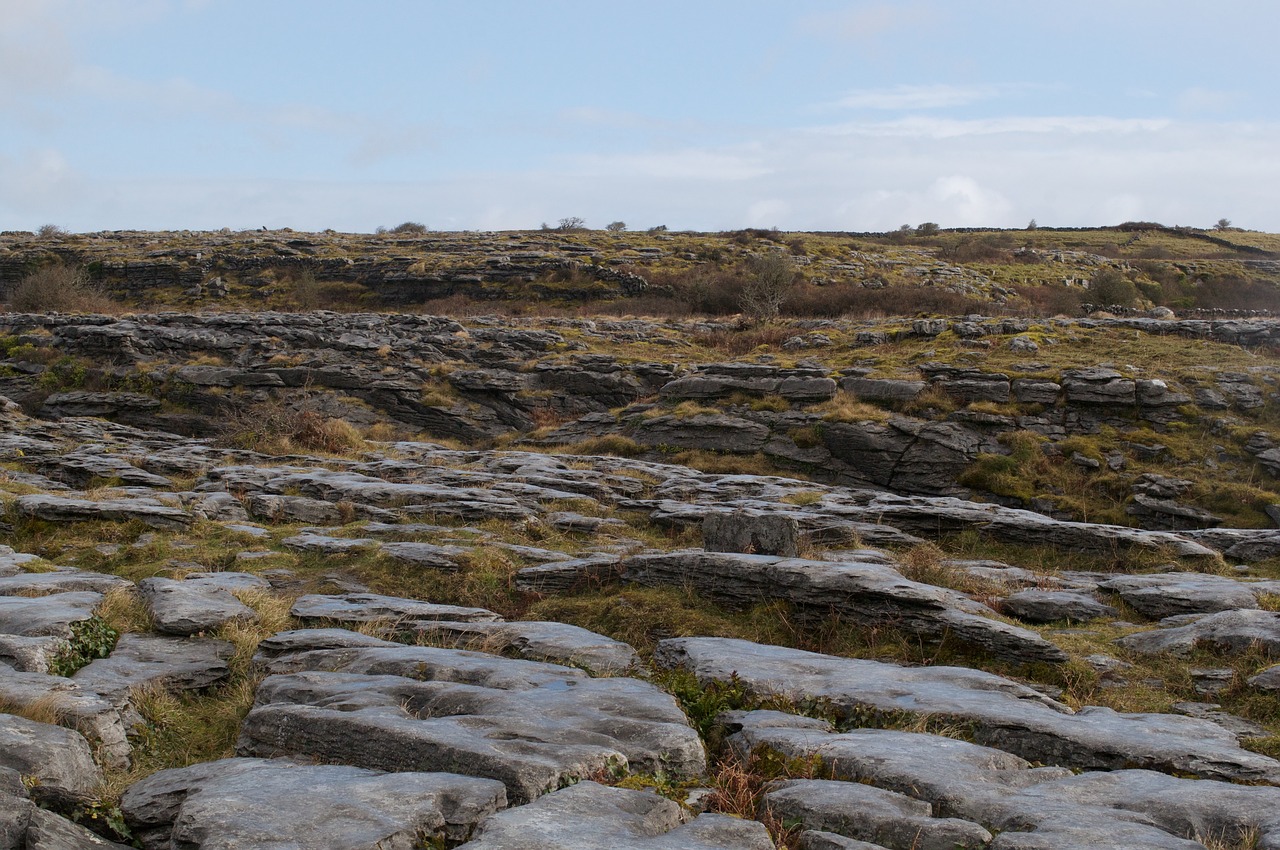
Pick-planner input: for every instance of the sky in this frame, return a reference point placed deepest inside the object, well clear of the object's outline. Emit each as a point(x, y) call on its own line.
point(697, 114)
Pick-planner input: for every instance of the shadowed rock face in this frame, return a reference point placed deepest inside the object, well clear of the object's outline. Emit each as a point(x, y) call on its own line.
point(1002, 713)
point(533, 726)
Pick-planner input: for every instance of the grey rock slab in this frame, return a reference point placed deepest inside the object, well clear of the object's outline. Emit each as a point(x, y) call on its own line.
point(1268, 680)
point(867, 591)
point(46, 616)
point(235, 804)
point(298, 641)
point(30, 654)
point(140, 660)
point(68, 509)
point(326, 545)
point(12, 563)
point(272, 508)
point(60, 581)
point(558, 643)
point(59, 758)
point(1001, 712)
point(589, 816)
point(371, 607)
point(1234, 631)
point(1030, 807)
point(532, 725)
point(1048, 606)
point(860, 811)
point(227, 580)
point(74, 707)
point(188, 607)
point(427, 555)
point(1161, 595)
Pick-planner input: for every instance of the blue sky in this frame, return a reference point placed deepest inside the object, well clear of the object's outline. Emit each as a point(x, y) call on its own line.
point(701, 114)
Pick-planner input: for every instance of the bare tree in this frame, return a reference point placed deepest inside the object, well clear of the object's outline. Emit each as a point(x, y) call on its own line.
point(770, 280)
point(1222, 224)
point(616, 226)
point(570, 224)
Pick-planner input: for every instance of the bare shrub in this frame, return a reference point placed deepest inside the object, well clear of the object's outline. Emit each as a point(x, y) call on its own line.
point(272, 427)
point(51, 231)
point(769, 282)
point(59, 288)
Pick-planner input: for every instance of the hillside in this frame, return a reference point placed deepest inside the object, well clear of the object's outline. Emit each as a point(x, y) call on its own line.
point(527, 540)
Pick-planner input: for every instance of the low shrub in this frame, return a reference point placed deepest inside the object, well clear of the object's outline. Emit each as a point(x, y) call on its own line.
point(59, 288)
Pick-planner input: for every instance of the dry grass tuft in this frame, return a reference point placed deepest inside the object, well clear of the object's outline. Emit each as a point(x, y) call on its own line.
point(124, 611)
point(43, 709)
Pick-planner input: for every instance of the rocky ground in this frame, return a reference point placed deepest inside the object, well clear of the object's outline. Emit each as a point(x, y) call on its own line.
point(396, 581)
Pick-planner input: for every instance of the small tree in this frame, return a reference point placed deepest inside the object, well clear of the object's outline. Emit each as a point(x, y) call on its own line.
point(1223, 224)
point(616, 226)
point(1031, 225)
point(658, 228)
point(929, 228)
point(571, 224)
point(1110, 288)
point(409, 228)
point(51, 231)
point(770, 280)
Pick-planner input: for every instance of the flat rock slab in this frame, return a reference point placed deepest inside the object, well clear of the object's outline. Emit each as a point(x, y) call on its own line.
point(371, 607)
point(868, 592)
point(68, 509)
point(141, 660)
point(74, 707)
point(1029, 807)
point(860, 811)
point(1002, 713)
point(188, 607)
point(534, 726)
point(559, 643)
point(426, 555)
point(59, 758)
point(589, 816)
point(812, 839)
point(1171, 594)
point(1268, 680)
point(326, 545)
point(12, 563)
point(236, 804)
point(60, 581)
point(1050, 606)
point(46, 616)
point(1234, 631)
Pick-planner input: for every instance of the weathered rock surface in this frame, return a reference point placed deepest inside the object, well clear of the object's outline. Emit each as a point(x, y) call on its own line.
point(1048, 606)
point(74, 707)
point(60, 581)
point(1001, 712)
point(69, 509)
point(1234, 631)
point(189, 607)
point(371, 607)
point(534, 726)
point(1030, 807)
point(1163, 595)
point(59, 759)
point(558, 643)
point(236, 804)
point(46, 616)
point(860, 811)
point(863, 591)
point(589, 816)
